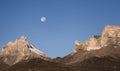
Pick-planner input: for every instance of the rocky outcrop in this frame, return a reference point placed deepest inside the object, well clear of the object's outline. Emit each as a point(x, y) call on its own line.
point(92, 44)
point(19, 50)
point(78, 46)
point(110, 36)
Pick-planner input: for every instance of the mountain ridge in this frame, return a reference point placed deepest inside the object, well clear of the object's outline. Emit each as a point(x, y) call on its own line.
point(99, 53)
point(94, 47)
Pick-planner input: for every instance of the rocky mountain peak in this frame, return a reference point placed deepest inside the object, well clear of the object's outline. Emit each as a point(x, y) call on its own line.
point(20, 46)
point(19, 50)
point(23, 38)
point(110, 36)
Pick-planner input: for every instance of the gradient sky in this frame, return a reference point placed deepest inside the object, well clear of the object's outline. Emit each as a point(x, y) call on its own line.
point(67, 21)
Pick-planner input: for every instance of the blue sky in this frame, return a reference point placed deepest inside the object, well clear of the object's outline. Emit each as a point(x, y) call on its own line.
point(67, 21)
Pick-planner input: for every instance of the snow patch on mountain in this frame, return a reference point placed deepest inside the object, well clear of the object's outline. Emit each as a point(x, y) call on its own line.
point(37, 51)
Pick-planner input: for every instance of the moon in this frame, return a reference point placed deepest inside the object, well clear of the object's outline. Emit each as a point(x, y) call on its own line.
point(43, 19)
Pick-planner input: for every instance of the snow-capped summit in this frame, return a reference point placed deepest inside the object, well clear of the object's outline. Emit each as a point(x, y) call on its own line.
point(19, 50)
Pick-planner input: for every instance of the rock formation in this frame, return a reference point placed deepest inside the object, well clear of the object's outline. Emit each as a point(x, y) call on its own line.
point(92, 44)
point(19, 50)
point(110, 36)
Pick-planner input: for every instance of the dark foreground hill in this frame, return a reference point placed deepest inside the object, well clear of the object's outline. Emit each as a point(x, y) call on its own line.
point(98, 64)
point(91, 64)
point(38, 65)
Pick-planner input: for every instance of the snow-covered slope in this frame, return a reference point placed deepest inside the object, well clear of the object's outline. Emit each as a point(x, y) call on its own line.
point(35, 50)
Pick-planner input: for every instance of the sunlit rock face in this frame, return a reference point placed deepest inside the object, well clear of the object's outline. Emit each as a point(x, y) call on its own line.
point(19, 47)
point(92, 44)
point(110, 36)
point(19, 50)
